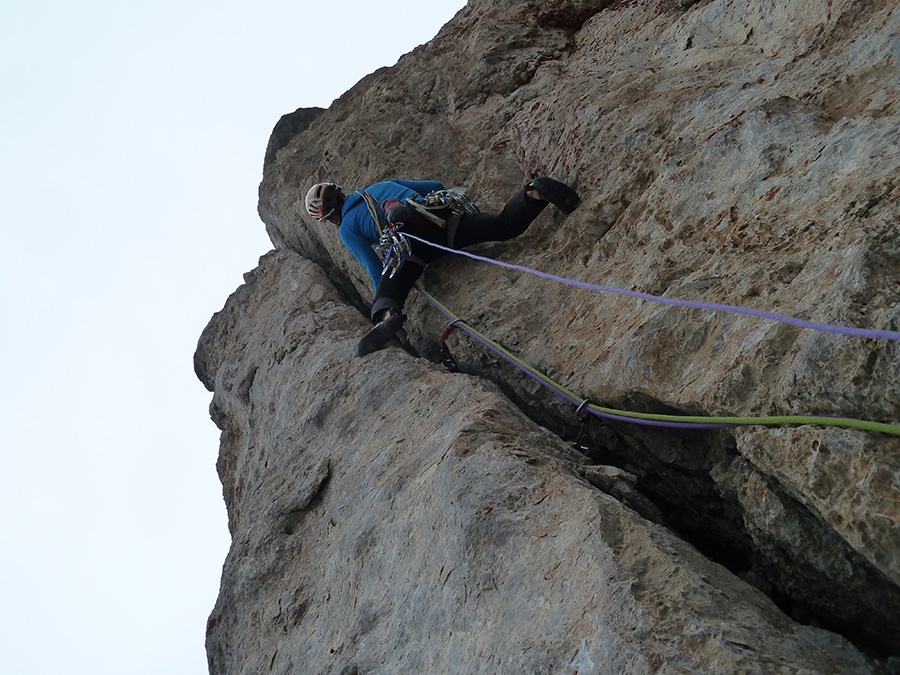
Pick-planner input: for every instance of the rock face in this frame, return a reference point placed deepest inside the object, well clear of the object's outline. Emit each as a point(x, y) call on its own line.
point(389, 516)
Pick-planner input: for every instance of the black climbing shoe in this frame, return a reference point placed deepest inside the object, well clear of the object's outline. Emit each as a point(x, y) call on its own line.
point(379, 336)
point(559, 194)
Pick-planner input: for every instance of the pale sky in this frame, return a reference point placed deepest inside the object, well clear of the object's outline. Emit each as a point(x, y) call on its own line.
point(132, 136)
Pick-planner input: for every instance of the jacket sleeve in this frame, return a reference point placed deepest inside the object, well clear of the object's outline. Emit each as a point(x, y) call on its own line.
point(423, 187)
point(362, 249)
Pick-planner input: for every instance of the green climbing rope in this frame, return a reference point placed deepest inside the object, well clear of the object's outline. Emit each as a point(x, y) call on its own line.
point(660, 419)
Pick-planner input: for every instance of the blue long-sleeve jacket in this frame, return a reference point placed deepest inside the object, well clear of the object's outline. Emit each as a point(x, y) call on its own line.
point(358, 231)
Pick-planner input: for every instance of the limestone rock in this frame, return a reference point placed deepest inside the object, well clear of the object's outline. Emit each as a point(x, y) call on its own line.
point(736, 152)
point(442, 530)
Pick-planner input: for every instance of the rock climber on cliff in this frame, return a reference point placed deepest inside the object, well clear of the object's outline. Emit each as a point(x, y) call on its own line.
point(381, 214)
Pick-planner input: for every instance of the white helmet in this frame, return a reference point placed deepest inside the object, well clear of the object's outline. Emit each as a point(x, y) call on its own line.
point(324, 202)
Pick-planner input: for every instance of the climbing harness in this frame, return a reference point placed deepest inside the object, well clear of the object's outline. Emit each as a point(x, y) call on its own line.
point(584, 406)
point(393, 246)
point(455, 200)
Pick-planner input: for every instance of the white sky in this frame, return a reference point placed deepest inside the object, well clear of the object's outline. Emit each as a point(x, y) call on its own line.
point(132, 136)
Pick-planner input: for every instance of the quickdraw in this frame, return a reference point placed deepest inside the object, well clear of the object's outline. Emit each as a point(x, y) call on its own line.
point(444, 208)
point(445, 358)
point(395, 248)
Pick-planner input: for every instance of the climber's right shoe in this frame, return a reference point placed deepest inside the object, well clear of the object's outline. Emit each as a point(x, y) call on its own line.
point(559, 194)
point(379, 336)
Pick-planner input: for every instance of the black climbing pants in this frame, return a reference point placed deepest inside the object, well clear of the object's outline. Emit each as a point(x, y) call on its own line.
point(512, 221)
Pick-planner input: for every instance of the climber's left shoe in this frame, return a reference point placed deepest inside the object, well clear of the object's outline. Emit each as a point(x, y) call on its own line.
point(559, 194)
point(379, 336)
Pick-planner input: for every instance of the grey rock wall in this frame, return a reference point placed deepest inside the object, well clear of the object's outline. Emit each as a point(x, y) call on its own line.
point(401, 519)
point(743, 153)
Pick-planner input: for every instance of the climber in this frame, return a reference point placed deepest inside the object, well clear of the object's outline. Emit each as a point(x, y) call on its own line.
point(383, 212)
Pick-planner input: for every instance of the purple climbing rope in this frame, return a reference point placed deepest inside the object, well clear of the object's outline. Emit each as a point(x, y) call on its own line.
point(558, 390)
point(715, 307)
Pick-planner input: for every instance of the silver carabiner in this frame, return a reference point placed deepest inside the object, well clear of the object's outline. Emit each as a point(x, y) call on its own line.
point(398, 250)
